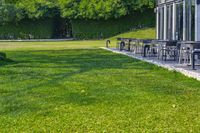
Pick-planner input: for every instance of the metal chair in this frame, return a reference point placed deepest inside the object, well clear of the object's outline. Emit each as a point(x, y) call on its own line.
point(185, 54)
point(153, 49)
point(187, 49)
point(168, 50)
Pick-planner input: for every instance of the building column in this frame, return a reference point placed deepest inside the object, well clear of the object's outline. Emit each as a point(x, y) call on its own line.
point(190, 20)
point(184, 21)
point(161, 23)
point(197, 21)
point(174, 22)
point(169, 33)
point(157, 24)
point(165, 22)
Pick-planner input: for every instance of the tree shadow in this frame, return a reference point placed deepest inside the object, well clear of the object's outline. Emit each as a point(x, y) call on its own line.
point(7, 62)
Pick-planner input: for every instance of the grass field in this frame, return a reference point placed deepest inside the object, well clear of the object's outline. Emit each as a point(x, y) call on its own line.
point(18, 46)
point(77, 87)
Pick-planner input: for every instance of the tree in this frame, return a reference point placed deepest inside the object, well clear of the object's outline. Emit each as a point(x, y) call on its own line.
point(15, 10)
point(9, 13)
point(38, 8)
point(102, 9)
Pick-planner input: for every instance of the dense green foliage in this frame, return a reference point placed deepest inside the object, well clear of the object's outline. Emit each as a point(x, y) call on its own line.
point(100, 29)
point(102, 9)
point(91, 90)
point(73, 9)
point(28, 29)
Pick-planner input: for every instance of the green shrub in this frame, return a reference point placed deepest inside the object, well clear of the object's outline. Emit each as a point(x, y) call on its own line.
point(100, 29)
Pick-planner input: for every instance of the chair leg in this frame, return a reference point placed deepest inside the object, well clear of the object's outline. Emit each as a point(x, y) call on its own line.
point(180, 57)
point(193, 61)
point(165, 55)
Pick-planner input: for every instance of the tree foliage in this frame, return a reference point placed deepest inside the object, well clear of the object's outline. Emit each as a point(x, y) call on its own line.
point(9, 13)
point(101, 9)
point(14, 10)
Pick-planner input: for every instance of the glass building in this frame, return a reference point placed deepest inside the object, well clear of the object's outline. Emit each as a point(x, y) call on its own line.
point(178, 20)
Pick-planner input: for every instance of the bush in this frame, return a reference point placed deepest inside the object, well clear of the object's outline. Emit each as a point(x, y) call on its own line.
point(100, 29)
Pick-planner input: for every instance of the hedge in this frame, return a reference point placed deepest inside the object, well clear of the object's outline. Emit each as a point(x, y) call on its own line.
point(35, 29)
point(100, 29)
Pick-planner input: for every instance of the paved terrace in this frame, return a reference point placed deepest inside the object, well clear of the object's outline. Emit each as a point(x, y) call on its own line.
point(170, 65)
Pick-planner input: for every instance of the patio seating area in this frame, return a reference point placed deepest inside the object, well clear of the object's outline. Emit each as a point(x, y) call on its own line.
point(181, 56)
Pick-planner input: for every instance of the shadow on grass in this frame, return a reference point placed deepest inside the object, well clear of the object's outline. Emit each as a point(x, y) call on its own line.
point(6, 62)
point(40, 71)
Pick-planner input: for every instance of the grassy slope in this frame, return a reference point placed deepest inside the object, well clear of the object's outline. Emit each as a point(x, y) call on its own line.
point(73, 87)
point(148, 33)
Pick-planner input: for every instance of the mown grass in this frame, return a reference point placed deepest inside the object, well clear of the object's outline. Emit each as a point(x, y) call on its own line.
point(86, 89)
point(62, 45)
point(93, 91)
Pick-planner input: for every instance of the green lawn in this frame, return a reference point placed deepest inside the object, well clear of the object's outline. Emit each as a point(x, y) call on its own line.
point(77, 87)
point(18, 46)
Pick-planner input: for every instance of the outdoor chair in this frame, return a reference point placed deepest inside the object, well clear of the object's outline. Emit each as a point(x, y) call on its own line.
point(189, 53)
point(185, 55)
point(194, 53)
point(168, 50)
point(127, 45)
point(146, 46)
point(119, 40)
point(122, 45)
point(133, 45)
point(136, 46)
point(153, 49)
point(142, 46)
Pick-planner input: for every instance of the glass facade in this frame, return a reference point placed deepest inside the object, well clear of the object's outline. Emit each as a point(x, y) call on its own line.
point(176, 19)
